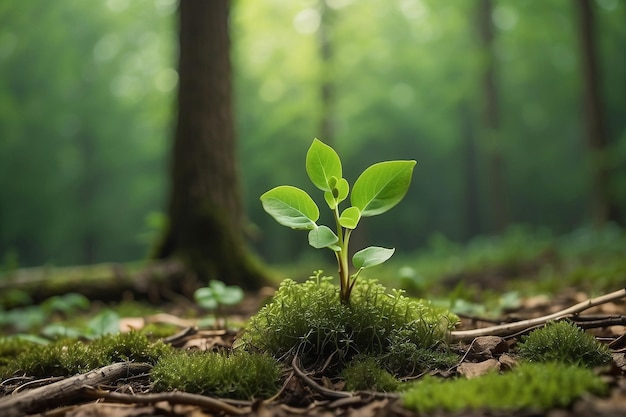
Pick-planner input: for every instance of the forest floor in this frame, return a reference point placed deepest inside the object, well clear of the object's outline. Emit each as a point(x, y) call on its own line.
point(122, 390)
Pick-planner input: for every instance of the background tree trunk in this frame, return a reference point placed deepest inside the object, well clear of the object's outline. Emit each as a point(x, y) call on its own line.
point(327, 89)
point(602, 207)
point(471, 199)
point(205, 208)
point(491, 121)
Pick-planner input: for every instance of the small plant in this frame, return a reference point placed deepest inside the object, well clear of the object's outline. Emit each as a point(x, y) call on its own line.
point(565, 342)
point(309, 320)
point(216, 295)
point(379, 188)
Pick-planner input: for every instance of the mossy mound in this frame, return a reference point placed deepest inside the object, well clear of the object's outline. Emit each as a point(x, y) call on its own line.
point(365, 374)
point(238, 375)
point(527, 387)
point(67, 357)
point(564, 342)
point(309, 320)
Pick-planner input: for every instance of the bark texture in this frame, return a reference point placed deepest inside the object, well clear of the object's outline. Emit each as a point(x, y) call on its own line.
point(491, 121)
point(205, 210)
point(602, 207)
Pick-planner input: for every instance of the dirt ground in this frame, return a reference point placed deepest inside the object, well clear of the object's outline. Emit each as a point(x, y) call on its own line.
point(126, 391)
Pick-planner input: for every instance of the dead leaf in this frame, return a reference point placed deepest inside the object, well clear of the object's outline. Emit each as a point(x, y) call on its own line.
point(131, 323)
point(507, 362)
point(473, 370)
point(485, 347)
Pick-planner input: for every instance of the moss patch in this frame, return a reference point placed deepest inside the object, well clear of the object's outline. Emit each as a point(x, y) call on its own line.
point(565, 342)
point(365, 374)
point(529, 386)
point(71, 356)
point(308, 319)
point(239, 375)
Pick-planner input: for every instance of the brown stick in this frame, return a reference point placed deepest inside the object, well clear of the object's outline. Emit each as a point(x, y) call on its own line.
point(315, 386)
point(504, 329)
point(39, 399)
point(175, 397)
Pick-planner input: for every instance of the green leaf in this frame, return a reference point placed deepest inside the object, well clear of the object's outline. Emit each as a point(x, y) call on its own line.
point(372, 256)
point(322, 163)
point(227, 295)
point(291, 207)
point(338, 193)
point(350, 218)
point(322, 237)
point(106, 322)
point(205, 297)
point(381, 186)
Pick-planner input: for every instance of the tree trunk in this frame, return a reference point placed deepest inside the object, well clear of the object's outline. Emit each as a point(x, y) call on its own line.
point(327, 89)
point(491, 121)
point(602, 206)
point(471, 200)
point(205, 209)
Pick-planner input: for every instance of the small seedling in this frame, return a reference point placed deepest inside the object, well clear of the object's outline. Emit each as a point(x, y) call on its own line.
point(216, 295)
point(379, 188)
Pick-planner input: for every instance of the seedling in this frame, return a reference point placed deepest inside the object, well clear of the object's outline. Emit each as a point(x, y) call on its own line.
point(216, 295)
point(379, 188)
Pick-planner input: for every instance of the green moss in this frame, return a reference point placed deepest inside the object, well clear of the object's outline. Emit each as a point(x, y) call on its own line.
point(10, 348)
point(239, 375)
point(529, 386)
point(407, 358)
point(565, 342)
point(71, 356)
point(309, 319)
point(365, 374)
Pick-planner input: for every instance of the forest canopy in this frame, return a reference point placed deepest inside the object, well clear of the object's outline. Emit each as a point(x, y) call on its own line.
point(87, 99)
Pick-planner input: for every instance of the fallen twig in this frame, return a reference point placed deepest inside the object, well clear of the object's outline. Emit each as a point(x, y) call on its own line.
point(39, 399)
point(174, 397)
point(517, 326)
point(314, 385)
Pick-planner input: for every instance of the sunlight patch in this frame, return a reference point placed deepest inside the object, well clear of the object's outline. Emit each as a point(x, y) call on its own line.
point(307, 21)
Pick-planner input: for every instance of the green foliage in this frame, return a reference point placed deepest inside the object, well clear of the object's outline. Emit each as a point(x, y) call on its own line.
point(309, 319)
point(529, 387)
point(238, 375)
point(10, 348)
point(74, 150)
point(33, 317)
point(521, 262)
point(407, 358)
point(366, 374)
point(71, 356)
point(565, 342)
point(218, 294)
point(378, 189)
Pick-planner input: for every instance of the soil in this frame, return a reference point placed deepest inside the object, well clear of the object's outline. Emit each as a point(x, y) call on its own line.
point(127, 393)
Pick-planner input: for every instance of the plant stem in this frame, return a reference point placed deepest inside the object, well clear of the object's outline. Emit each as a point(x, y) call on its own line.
point(342, 260)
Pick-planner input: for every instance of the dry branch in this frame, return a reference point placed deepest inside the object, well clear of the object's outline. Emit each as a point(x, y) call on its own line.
point(518, 326)
point(175, 397)
point(62, 392)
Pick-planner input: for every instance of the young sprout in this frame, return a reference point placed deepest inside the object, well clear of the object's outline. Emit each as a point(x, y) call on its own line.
point(379, 188)
point(216, 295)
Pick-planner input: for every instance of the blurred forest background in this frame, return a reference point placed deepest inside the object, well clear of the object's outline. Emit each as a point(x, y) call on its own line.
point(491, 98)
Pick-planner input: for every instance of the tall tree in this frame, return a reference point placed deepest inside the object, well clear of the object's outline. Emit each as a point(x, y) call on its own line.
point(205, 208)
point(471, 200)
point(491, 119)
point(602, 206)
point(327, 89)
